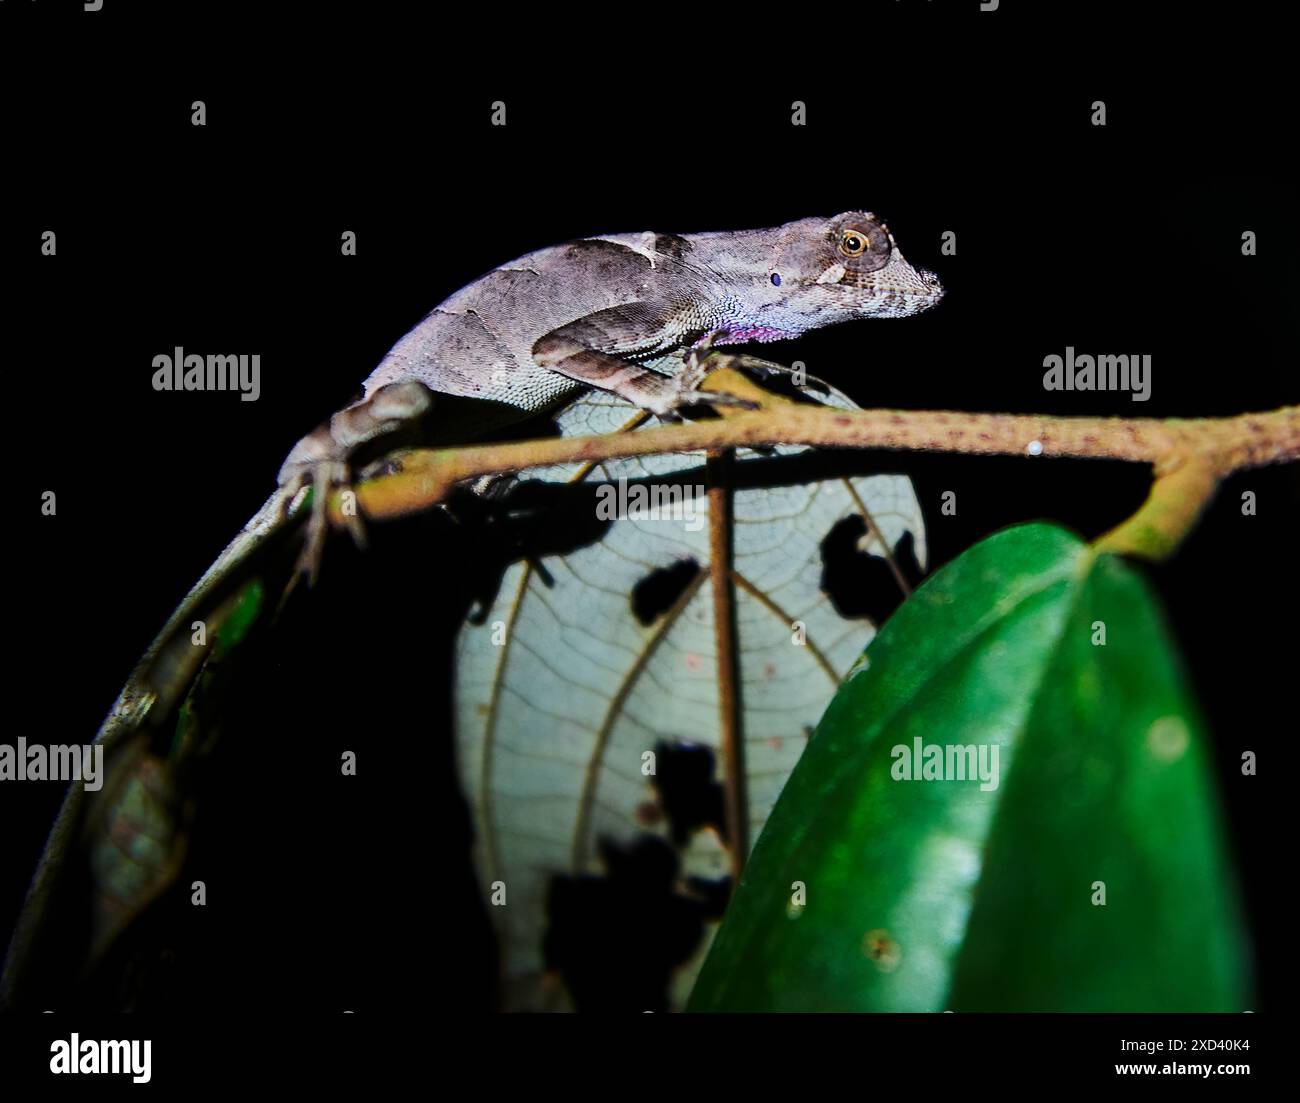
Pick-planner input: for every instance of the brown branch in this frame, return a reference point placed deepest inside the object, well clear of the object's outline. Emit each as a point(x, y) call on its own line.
point(721, 532)
point(1190, 456)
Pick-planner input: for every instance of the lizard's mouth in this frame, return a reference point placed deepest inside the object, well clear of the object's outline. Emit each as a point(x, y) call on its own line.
point(906, 300)
point(922, 292)
point(741, 335)
point(896, 284)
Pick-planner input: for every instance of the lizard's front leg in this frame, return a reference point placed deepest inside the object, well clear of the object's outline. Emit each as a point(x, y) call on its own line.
point(321, 459)
point(588, 351)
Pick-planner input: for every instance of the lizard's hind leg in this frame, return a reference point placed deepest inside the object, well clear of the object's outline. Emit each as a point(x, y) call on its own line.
point(321, 460)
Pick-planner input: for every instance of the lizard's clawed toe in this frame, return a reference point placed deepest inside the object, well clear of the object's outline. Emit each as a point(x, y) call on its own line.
point(323, 477)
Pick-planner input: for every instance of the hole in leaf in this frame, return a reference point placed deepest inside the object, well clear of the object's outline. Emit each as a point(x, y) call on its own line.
point(617, 938)
point(860, 584)
point(689, 792)
point(713, 893)
point(655, 594)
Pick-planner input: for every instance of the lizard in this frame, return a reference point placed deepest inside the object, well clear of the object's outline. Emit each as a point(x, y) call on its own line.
point(610, 312)
point(542, 329)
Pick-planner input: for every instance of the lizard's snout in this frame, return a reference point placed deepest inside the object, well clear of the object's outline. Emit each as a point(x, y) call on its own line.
point(931, 289)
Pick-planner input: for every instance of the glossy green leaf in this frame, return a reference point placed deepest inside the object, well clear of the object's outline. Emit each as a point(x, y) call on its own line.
point(929, 895)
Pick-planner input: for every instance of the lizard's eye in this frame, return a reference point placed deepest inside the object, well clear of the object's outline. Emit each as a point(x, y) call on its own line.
point(853, 244)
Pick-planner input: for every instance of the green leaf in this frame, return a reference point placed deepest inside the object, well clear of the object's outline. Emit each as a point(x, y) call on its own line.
point(930, 895)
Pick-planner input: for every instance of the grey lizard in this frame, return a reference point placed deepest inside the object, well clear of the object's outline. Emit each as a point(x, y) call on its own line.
point(528, 336)
point(542, 329)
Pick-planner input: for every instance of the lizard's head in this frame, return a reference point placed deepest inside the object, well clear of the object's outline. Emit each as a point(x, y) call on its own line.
point(828, 270)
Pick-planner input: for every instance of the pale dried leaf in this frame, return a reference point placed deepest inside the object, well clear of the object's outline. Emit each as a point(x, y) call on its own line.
point(553, 723)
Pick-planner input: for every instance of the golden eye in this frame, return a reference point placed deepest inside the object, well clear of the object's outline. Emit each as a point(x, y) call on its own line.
point(853, 244)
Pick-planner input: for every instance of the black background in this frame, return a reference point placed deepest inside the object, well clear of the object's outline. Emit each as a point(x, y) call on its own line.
point(330, 893)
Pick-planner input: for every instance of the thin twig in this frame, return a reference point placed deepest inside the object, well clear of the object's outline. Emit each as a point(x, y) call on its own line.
point(1190, 456)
